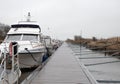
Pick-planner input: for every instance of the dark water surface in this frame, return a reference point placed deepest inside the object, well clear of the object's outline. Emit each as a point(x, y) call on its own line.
point(25, 74)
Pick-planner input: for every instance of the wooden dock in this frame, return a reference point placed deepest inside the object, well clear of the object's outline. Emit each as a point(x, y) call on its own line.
point(62, 68)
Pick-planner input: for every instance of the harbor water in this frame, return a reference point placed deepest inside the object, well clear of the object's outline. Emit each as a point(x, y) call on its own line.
point(105, 69)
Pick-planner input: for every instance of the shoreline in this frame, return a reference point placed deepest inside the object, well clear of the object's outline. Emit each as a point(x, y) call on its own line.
point(110, 46)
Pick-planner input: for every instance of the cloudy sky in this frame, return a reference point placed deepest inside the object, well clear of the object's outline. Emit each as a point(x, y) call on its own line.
point(63, 19)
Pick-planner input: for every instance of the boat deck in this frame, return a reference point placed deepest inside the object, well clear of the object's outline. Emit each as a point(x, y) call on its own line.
point(63, 68)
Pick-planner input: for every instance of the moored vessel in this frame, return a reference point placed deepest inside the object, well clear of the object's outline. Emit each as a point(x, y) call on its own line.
point(31, 46)
point(48, 44)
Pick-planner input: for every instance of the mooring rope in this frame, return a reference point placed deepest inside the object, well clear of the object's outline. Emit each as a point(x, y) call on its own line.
point(31, 55)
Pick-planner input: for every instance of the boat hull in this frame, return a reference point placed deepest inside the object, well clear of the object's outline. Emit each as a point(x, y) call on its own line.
point(27, 60)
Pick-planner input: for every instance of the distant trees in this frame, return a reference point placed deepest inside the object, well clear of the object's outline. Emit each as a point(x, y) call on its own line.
point(3, 30)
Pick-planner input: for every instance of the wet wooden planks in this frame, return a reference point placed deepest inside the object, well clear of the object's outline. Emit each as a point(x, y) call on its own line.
point(63, 68)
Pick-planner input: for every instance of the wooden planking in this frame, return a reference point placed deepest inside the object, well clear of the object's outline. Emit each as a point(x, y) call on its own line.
point(62, 68)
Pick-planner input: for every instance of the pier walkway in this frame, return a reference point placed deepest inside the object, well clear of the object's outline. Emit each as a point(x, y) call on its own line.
point(63, 68)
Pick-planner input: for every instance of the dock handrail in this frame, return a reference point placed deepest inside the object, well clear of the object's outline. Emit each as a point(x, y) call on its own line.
point(13, 66)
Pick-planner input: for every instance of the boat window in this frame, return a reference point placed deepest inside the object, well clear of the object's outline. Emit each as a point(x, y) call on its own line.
point(30, 37)
point(25, 25)
point(13, 37)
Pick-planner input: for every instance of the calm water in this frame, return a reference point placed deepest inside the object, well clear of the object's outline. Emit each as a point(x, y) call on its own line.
point(25, 74)
point(105, 70)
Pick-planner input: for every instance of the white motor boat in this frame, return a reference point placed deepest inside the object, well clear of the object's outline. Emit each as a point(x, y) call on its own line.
point(31, 46)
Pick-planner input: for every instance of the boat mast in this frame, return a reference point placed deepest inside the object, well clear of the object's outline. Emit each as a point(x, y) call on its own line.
point(28, 17)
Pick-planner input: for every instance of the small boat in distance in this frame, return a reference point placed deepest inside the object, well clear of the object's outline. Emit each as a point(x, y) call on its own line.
point(31, 46)
point(48, 44)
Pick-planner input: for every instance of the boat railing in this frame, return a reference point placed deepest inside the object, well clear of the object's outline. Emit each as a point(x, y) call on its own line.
point(11, 63)
point(15, 58)
point(3, 64)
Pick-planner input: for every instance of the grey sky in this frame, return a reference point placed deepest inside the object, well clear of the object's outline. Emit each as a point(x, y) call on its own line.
point(66, 18)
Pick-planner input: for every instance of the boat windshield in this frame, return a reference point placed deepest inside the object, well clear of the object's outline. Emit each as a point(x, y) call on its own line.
point(30, 37)
point(25, 37)
point(13, 37)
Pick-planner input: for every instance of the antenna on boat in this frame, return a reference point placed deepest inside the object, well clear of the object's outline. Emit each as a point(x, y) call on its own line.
point(28, 17)
point(80, 41)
